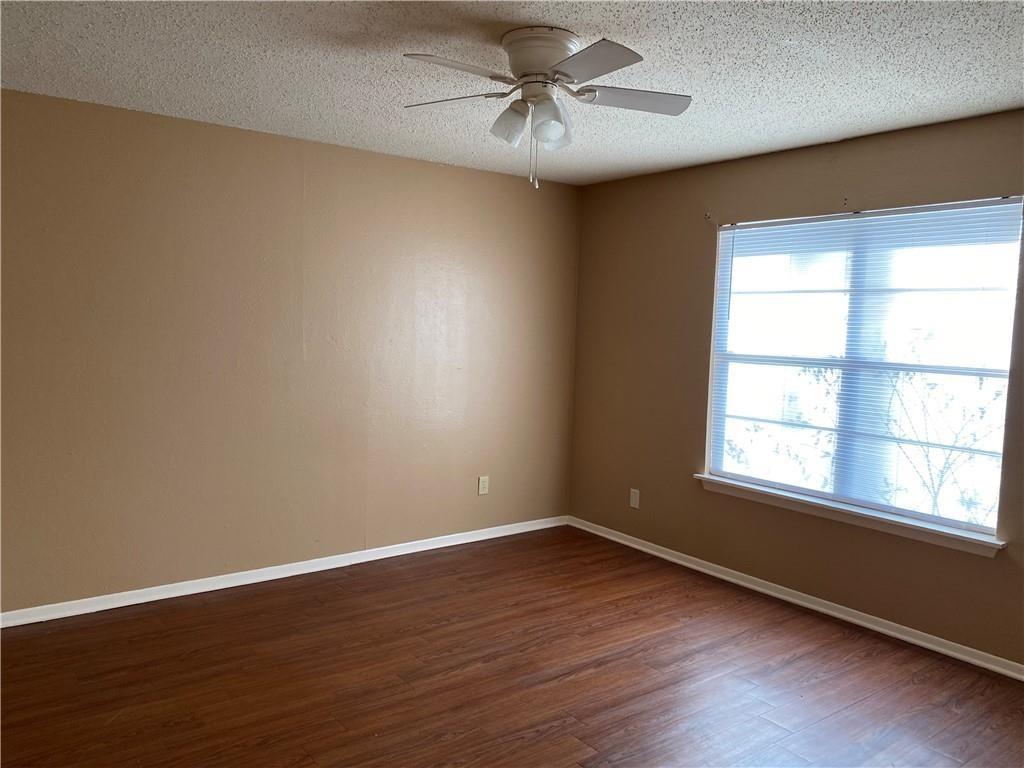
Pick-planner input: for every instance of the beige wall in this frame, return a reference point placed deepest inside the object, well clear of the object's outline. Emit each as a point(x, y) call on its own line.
point(224, 350)
point(647, 261)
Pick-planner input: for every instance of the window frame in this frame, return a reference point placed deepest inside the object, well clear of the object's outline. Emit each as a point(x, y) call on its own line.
point(979, 538)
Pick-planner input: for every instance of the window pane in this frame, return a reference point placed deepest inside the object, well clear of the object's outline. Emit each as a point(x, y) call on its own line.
point(955, 485)
point(790, 272)
point(776, 324)
point(804, 395)
point(968, 329)
point(961, 411)
point(795, 456)
point(981, 265)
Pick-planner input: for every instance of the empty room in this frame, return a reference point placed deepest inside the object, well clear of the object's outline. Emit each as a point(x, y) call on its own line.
point(512, 384)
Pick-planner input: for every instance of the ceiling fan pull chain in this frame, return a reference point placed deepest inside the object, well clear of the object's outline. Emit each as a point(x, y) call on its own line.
point(530, 175)
point(531, 160)
point(536, 164)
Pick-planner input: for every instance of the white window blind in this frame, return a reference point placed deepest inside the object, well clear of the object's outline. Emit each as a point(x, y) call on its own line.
point(863, 358)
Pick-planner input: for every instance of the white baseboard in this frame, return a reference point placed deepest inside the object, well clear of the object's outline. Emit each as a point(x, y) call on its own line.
point(105, 602)
point(195, 586)
point(949, 648)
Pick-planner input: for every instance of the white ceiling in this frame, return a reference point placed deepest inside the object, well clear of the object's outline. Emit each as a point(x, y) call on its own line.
point(763, 76)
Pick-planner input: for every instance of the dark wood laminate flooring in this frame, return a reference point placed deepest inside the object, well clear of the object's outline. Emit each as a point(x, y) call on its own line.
point(553, 648)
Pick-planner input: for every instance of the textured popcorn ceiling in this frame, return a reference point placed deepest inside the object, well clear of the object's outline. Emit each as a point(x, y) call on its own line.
point(763, 76)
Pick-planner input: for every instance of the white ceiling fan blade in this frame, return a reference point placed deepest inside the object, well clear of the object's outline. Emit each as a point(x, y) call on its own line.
point(595, 60)
point(642, 101)
point(470, 68)
point(458, 98)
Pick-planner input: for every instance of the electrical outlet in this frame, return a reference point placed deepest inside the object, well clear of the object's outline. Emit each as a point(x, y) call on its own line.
point(483, 484)
point(634, 498)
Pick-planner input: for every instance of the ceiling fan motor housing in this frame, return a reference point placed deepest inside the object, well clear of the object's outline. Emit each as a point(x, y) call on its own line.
point(535, 50)
point(533, 92)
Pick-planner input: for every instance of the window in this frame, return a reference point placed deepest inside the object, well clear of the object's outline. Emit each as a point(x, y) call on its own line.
point(863, 358)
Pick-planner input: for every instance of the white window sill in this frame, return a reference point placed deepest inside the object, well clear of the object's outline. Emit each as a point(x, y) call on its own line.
point(921, 530)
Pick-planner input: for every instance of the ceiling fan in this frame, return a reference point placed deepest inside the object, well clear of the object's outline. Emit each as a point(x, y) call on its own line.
point(546, 63)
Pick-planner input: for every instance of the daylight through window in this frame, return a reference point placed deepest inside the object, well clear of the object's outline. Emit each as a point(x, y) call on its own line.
point(864, 357)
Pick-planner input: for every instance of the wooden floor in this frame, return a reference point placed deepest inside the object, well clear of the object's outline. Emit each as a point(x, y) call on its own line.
point(553, 648)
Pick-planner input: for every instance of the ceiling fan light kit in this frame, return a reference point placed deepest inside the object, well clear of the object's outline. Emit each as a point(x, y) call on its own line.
point(546, 62)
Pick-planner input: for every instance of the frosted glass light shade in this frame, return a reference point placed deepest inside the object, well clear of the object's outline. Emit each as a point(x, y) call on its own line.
point(511, 124)
point(566, 138)
point(547, 121)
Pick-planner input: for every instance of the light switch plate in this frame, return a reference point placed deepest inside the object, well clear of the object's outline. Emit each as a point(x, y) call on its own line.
point(483, 485)
point(634, 498)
